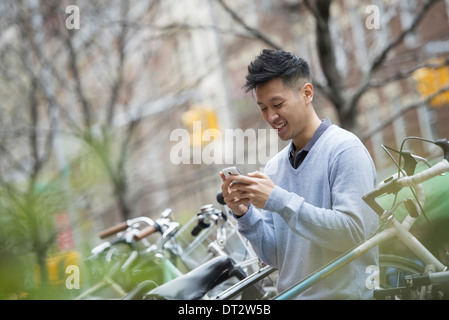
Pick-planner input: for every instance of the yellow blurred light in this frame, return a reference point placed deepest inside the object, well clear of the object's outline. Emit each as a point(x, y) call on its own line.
point(198, 119)
point(56, 266)
point(430, 80)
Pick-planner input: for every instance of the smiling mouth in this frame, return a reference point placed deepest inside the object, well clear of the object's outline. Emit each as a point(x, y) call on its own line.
point(279, 126)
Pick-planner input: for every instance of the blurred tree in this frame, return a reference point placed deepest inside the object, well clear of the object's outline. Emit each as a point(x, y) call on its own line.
point(28, 219)
point(344, 97)
point(44, 80)
point(52, 62)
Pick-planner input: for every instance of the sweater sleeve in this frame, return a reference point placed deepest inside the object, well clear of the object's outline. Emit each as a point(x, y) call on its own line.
point(257, 227)
point(349, 221)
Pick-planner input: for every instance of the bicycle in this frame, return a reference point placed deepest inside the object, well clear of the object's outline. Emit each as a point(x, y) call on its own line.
point(122, 263)
point(232, 258)
point(435, 271)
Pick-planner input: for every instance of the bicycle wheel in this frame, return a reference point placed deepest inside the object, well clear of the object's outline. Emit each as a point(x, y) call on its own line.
point(393, 269)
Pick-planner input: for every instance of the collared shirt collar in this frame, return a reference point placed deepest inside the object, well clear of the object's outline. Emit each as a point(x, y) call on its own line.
point(297, 158)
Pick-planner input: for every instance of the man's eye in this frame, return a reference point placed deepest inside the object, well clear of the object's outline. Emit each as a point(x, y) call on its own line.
point(278, 105)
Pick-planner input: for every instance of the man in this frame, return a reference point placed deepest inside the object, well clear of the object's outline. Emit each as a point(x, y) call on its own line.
point(307, 208)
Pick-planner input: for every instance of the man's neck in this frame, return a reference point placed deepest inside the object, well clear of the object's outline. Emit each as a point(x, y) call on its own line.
point(301, 141)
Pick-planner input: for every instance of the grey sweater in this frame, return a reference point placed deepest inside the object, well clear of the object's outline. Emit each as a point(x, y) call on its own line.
point(314, 214)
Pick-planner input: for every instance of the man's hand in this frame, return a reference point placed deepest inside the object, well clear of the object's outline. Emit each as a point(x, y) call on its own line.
point(255, 189)
point(232, 198)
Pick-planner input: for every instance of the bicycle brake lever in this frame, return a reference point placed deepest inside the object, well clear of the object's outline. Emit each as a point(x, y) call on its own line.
point(443, 144)
point(171, 230)
point(418, 158)
point(410, 162)
point(427, 163)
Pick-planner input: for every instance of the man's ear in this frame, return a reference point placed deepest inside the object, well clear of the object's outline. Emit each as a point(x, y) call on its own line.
point(307, 91)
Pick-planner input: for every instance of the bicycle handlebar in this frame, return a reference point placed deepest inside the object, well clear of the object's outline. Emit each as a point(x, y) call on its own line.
point(439, 168)
point(394, 185)
point(199, 227)
point(112, 230)
point(147, 231)
point(122, 226)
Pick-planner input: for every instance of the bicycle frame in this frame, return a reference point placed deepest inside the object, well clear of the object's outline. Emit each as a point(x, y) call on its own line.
point(394, 228)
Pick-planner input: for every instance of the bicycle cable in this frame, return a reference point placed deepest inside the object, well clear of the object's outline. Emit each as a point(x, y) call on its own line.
point(413, 191)
point(401, 171)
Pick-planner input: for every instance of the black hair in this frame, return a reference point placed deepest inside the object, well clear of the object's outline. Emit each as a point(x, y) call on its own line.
point(271, 64)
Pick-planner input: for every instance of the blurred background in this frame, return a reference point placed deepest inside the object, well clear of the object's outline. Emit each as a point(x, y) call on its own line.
point(91, 92)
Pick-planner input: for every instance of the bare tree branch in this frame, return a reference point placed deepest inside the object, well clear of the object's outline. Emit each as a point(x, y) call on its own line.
point(115, 90)
point(416, 21)
point(79, 89)
point(33, 39)
point(401, 74)
point(351, 104)
point(403, 110)
point(326, 53)
point(251, 30)
point(256, 34)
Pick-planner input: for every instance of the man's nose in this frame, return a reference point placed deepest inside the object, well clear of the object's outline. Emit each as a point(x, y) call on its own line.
point(272, 115)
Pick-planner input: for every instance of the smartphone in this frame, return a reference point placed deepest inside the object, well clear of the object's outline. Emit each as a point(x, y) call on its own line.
point(231, 171)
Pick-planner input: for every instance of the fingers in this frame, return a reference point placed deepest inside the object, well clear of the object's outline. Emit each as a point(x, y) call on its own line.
point(231, 180)
point(253, 178)
point(236, 200)
point(225, 184)
point(258, 174)
point(229, 194)
point(254, 188)
point(240, 178)
point(234, 195)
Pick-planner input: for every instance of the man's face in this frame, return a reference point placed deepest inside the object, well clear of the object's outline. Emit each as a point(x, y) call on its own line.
point(286, 110)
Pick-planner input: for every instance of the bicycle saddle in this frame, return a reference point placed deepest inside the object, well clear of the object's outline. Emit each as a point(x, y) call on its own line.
point(190, 286)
